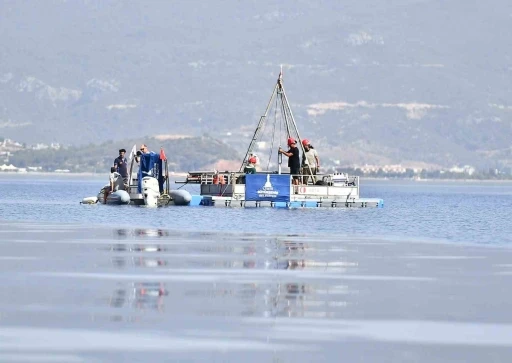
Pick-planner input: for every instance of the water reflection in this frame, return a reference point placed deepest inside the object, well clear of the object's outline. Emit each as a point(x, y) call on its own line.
point(139, 261)
point(122, 262)
point(288, 300)
point(300, 298)
point(122, 247)
point(301, 292)
point(141, 232)
point(147, 295)
point(137, 234)
point(306, 299)
point(141, 296)
point(292, 247)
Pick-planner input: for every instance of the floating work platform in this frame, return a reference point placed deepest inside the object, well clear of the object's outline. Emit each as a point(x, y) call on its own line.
point(308, 189)
point(272, 190)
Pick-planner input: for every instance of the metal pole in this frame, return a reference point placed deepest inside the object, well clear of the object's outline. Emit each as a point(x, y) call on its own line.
point(167, 181)
point(130, 177)
point(294, 125)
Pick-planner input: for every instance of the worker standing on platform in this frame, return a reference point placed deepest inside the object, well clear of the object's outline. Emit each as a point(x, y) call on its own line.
point(250, 168)
point(293, 160)
point(310, 162)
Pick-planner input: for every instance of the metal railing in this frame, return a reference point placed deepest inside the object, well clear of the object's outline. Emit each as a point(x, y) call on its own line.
point(214, 177)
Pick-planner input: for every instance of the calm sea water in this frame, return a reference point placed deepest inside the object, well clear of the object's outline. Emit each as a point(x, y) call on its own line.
point(474, 212)
point(425, 279)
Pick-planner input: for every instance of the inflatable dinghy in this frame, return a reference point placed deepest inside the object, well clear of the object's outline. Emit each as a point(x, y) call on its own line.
point(180, 197)
point(115, 198)
point(118, 197)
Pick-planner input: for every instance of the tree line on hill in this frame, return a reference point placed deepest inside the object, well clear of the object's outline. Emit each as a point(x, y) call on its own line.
point(185, 154)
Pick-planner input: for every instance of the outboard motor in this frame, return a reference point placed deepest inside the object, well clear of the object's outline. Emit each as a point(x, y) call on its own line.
point(150, 191)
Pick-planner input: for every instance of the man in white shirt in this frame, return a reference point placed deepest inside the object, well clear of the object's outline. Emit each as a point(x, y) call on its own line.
point(116, 180)
point(115, 183)
point(310, 162)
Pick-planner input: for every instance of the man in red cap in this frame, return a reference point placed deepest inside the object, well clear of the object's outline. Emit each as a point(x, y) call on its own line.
point(293, 160)
point(310, 162)
point(250, 168)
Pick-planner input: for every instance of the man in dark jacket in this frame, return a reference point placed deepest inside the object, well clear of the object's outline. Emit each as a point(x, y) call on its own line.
point(293, 160)
point(121, 165)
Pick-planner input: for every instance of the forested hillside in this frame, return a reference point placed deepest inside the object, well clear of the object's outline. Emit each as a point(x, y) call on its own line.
point(198, 153)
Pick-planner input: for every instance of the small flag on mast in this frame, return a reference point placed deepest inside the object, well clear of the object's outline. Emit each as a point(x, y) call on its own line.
point(162, 154)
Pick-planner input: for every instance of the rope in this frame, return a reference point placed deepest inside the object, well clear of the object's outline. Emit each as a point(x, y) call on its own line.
point(280, 130)
point(273, 136)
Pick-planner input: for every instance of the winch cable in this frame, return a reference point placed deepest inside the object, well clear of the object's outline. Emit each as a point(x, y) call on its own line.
point(186, 182)
point(283, 115)
point(289, 120)
point(273, 136)
point(261, 136)
point(286, 126)
point(280, 156)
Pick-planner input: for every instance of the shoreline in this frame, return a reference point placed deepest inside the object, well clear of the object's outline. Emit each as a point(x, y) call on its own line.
point(440, 180)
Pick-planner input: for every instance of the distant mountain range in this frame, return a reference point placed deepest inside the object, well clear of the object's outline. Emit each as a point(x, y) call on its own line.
point(408, 81)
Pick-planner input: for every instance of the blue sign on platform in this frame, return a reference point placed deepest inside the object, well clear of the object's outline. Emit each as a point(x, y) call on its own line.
point(267, 187)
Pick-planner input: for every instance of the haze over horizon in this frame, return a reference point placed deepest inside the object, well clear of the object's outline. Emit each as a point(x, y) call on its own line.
point(421, 81)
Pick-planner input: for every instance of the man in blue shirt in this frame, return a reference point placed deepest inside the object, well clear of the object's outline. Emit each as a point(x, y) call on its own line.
point(121, 165)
